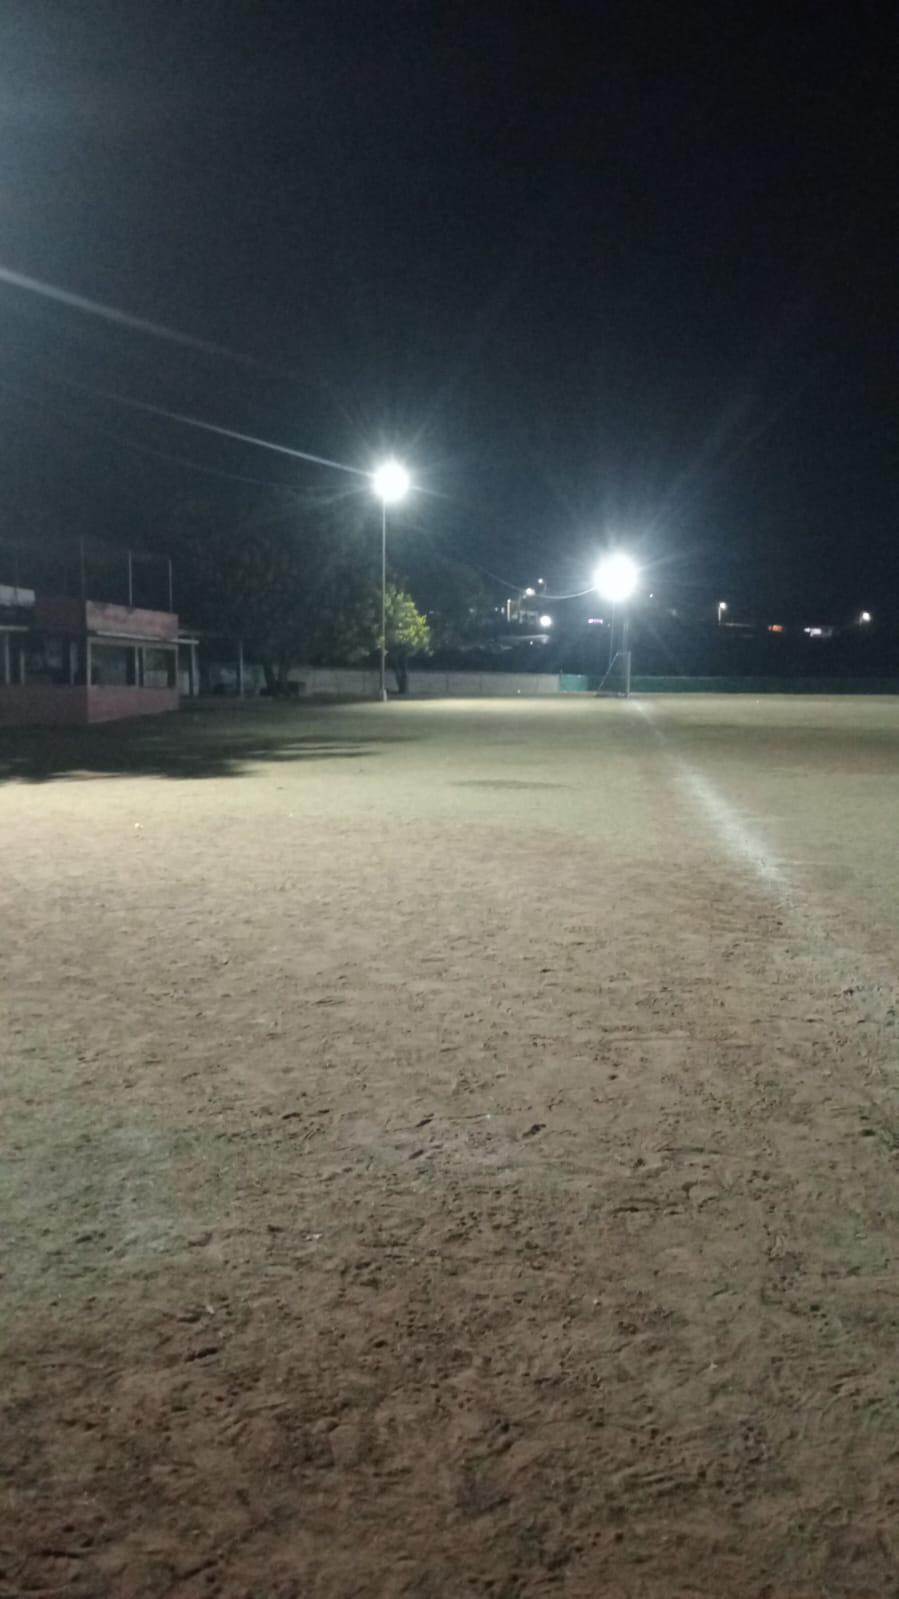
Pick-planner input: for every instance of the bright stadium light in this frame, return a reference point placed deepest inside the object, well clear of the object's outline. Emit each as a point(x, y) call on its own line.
point(390, 482)
point(545, 621)
point(616, 578)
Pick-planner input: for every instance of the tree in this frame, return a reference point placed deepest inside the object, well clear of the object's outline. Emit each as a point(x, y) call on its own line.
point(290, 576)
point(451, 591)
point(295, 579)
point(407, 633)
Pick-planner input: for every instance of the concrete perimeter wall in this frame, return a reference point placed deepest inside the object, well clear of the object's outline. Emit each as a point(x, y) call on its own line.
point(573, 683)
point(351, 683)
point(314, 682)
point(765, 685)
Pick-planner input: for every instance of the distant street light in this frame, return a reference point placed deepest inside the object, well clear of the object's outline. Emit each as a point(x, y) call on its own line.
point(616, 580)
point(545, 621)
point(529, 593)
point(722, 607)
point(865, 616)
point(391, 483)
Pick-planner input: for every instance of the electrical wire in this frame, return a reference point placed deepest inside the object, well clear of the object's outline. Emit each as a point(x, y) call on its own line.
point(84, 426)
point(213, 427)
point(110, 313)
point(578, 595)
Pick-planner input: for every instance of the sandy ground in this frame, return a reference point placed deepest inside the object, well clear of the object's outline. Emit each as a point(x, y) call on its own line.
point(452, 1150)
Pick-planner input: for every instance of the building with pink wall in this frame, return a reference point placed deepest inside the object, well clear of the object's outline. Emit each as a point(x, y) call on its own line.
point(67, 661)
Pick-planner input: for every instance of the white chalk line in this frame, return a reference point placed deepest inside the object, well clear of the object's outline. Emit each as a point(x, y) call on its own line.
point(843, 966)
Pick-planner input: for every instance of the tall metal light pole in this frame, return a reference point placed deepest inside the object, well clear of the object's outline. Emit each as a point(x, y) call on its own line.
point(383, 663)
point(615, 581)
point(391, 483)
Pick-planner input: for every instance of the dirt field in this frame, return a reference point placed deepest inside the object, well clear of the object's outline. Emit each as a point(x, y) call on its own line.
point(453, 1150)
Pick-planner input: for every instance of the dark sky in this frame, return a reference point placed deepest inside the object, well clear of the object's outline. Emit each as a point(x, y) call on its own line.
point(595, 271)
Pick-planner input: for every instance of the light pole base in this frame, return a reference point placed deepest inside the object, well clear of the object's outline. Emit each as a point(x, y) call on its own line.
point(382, 696)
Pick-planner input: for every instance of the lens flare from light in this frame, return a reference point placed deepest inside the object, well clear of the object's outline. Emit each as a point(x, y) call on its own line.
point(616, 577)
point(391, 482)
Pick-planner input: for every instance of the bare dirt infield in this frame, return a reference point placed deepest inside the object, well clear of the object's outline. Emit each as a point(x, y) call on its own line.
point(452, 1150)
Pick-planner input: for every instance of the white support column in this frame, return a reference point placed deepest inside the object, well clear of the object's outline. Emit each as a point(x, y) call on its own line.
point(5, 659)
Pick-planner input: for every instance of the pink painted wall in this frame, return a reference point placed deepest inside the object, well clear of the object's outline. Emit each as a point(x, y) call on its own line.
point(59, 705)
point(108, 704)
point(59, 613)
point(124, 619)
point(42, 704)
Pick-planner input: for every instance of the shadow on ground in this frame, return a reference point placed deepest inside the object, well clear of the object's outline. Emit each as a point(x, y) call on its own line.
point(189, 744)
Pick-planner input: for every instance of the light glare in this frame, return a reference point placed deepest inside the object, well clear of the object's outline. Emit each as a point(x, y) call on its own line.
point(545, 621)
point(390, 482)
point(616, 578)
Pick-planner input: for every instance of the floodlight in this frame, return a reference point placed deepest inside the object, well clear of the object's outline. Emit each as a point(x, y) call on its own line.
point(616, 578)
point(390, 482)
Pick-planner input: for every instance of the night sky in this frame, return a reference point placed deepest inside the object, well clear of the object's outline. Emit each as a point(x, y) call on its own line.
point(596, 272)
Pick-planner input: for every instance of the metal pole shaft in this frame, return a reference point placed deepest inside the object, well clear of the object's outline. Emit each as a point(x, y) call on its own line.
point(130, 580)
point(626, 639)
point(383, 600)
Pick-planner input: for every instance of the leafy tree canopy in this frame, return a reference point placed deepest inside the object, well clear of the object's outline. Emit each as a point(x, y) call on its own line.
point(295, 578)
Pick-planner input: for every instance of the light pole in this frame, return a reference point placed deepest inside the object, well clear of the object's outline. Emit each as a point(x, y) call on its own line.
point(391, 483)
point(615, 581)
point(722, 607)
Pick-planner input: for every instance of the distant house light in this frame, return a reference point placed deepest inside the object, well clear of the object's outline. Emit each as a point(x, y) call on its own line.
point(775, 627)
